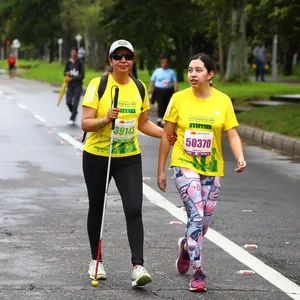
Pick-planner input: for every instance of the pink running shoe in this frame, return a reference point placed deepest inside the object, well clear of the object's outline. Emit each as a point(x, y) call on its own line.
point(197, 283)
point(183, 260)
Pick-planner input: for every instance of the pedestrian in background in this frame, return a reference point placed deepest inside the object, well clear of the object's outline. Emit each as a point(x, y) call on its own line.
point(260, 55)
point(74, 72)
point(162, 86)
point(199, 114)
point(11, 61)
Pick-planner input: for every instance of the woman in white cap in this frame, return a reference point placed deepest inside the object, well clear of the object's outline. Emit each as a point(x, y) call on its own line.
point(130, 116)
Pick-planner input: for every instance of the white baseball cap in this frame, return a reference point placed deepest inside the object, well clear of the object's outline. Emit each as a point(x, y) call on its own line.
point(120, 44)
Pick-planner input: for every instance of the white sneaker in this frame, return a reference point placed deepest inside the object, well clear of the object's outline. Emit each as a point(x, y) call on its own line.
point(101, 274)
point(70, 122)
point(140, 276)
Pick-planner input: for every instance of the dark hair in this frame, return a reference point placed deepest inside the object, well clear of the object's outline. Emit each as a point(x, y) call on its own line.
point(74, 48)
point(206, 59)
point(164, 55)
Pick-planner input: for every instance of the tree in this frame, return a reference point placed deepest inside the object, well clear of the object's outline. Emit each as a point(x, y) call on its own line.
point(154, 25)
point(280, 17)
point(86, 17)
point(237, 61)
point(32, 22)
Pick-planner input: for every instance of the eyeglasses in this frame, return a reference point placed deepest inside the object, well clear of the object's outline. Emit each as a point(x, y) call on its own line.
point(119, 56)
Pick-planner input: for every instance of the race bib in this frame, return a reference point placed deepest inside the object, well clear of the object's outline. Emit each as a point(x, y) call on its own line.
point(124, 130)
point(166, 83)
point(198, 143)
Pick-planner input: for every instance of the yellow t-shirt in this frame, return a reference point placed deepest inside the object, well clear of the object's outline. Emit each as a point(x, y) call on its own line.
point(207, 118)
point(125, 134)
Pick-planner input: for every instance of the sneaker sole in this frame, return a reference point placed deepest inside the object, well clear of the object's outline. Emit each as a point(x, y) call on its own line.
point(142, 280)
point(176, 263)
point(198, 290)
point(100, 277)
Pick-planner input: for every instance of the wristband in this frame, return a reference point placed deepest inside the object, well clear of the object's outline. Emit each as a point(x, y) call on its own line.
point(99, 123)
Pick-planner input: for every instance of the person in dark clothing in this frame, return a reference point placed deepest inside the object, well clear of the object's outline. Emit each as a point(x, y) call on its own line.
point(74, 72)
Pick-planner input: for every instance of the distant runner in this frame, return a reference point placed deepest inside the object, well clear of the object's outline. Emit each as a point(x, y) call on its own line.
point(11, 61)
point(74, 71)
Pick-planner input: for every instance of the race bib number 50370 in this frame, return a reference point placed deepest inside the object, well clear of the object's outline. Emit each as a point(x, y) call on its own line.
point(198, 143)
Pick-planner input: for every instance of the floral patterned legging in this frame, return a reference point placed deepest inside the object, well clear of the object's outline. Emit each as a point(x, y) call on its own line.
point(199, 194)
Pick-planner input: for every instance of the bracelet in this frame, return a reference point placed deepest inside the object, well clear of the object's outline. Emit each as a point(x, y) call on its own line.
point(99, 123)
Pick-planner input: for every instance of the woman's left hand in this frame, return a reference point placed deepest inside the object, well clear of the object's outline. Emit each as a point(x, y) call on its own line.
point(241, 166)
point(172, 138)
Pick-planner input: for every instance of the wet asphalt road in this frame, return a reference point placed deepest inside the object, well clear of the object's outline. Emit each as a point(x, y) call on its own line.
point(44, 251)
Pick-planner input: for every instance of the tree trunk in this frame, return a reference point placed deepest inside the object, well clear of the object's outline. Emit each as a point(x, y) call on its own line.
point(221, 50)
point(236, 67)
point(288, 62)
point(51, 50)
point(179, 59)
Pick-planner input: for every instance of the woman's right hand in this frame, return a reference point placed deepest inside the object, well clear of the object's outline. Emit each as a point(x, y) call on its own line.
point(113, 113)
point(162, 181)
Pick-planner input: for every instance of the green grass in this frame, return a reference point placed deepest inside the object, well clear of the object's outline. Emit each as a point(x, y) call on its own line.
point(283, 119)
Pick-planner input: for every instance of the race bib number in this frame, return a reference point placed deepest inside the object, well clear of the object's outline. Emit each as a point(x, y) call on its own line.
point(124, 130)
point(166, 82)
point(198, 143)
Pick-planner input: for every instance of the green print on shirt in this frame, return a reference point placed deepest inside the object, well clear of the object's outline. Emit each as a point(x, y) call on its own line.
point(124, 148)
point(202, 126)
point(199, 163)
point(127, 110)
point(118, 148)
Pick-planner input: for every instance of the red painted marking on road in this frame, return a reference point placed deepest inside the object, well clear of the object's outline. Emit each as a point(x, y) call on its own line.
point(246, 272)
point(63, 143)
point(51, 131)
point(146, 178)
point(250, 246)
point(176, 223)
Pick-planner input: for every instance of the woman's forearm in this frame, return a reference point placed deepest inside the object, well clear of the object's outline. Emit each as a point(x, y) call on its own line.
point(164, 149)
point(151, 129)
point(235, 144)
point(93, 124)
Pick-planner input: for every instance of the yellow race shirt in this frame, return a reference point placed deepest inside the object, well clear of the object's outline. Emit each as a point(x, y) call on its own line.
point(125, 134)
point(200, 124)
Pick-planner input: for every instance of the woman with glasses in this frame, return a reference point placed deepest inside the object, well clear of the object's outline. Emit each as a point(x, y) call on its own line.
point(130, 116)
point(200, 114)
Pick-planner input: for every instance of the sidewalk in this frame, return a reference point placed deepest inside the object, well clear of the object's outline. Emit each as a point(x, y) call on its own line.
point(274, 140)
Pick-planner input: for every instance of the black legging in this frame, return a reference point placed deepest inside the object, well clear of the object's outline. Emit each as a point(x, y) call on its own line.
point(73, 99)
point(127, 173)
point(162, 96)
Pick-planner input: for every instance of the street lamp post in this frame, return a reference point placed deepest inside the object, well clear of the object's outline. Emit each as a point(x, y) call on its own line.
point(78, 38)
point(60, 42)
point(16, 45)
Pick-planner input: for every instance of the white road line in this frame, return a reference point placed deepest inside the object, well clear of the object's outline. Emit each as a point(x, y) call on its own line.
point(271, 275)
point(22, 106)
point(39, 118)
point(71, 140)
point(268, 273)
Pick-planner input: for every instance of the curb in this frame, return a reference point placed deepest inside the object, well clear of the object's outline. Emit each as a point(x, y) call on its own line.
point(274, 140)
